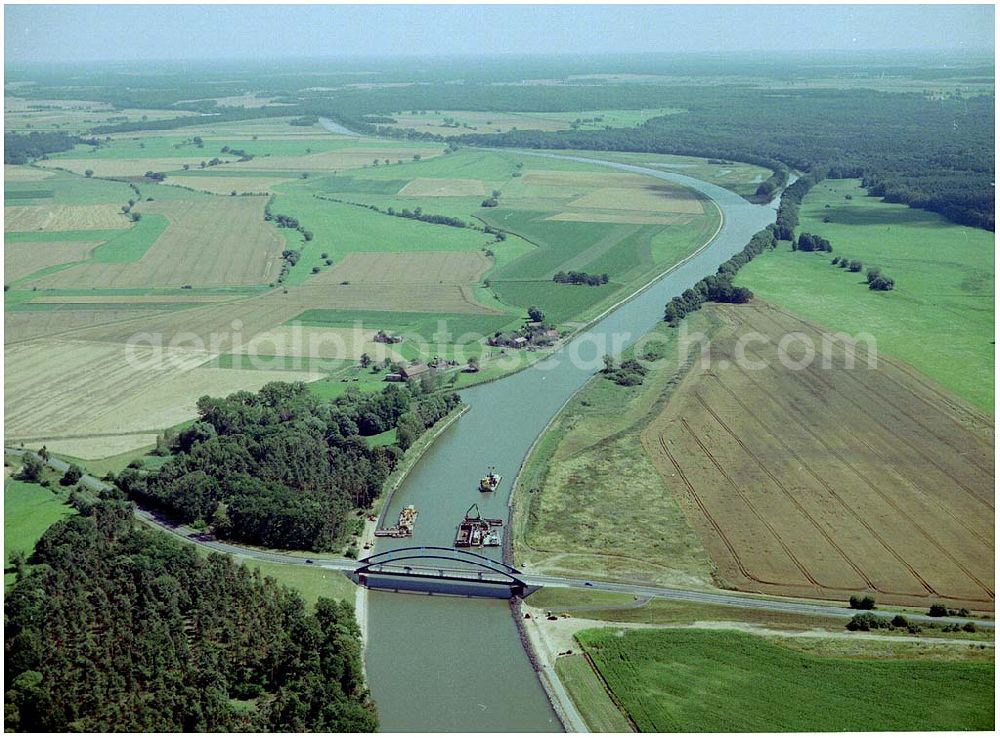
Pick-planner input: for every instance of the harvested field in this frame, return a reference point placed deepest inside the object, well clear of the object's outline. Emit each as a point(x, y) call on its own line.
point(56, 389)
point(417, 298)
point(318, 343)
point(126, 299)
point(12, 173)
point(97, 447)
point(126, 167)
point(63, 217)
point(349, 158)
point(174, 400)
point(650, 197)
point(584, 180)
point(423, 267)
point(26, 325)
point(590, 216)
point(822, 481)
point(226, 185)
point(208, 243)
point(430, 187)
point(225, 327)
point(24, 258)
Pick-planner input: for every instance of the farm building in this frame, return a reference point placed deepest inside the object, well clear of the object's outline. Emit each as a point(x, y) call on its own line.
point(414, 371)
point(383, 337)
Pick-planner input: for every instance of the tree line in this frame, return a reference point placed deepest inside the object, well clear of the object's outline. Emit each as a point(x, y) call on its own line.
point(120, 627)
point(281, 468)
point(719, 286)
point(593, 280)
point(415, 214)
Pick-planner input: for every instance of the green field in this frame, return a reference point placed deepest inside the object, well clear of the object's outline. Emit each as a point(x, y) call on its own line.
point(422, 325)
point(939, 318)
point(724, 681)
point(28, 510)
point(312, 582)
point(130, 245)
point(559, 302)
point(70, 189)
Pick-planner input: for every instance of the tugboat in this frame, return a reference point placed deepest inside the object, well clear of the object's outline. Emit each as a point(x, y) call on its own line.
point(490, 482)
point(475, 531)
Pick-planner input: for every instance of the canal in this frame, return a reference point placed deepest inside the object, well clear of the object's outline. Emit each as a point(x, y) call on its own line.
point(439, 663)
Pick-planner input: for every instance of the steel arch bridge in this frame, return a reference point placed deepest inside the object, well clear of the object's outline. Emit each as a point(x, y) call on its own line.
point(440, 569)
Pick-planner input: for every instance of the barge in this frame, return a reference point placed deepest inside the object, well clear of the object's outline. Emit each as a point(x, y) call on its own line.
point(475, 531)
point(403, 527)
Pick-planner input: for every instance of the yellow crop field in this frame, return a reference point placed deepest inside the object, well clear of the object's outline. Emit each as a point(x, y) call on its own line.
point(434, 187)
point(63, 217)
point(423, 267)
point(208, 243)
point(22, 259)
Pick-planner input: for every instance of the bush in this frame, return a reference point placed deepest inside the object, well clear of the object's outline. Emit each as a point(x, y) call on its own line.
point(867, 621)
point(937, 610)
point(882, 283)
point(969, 627)
point(855, 266)
point(900, 622)
point(31, 469)
point(72, 476)
point(865, 602)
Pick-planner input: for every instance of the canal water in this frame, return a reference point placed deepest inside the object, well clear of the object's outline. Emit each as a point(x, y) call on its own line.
point(438, 663)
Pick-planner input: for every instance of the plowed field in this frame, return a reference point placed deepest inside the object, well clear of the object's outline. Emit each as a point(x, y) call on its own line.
point(824, 481)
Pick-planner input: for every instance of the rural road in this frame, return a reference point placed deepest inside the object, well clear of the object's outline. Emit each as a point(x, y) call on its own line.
point(339, 563)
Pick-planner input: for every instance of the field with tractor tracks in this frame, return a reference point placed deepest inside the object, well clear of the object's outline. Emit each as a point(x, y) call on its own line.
point(822, 481)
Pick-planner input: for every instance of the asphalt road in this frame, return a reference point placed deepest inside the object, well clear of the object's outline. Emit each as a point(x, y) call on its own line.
point(339, 563)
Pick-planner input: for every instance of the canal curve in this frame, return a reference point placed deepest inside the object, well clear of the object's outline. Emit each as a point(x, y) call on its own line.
point(448, 664)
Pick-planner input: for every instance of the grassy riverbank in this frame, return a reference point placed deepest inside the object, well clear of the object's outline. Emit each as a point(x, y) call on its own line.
point(590, 503)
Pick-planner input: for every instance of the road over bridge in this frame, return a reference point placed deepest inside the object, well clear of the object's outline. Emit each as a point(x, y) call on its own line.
point(504, 576)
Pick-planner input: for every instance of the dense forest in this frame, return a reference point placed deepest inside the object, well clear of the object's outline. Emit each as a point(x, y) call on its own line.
point(930, 154)
point(21, 148)
point(281, 468)
point(120, 628)
point(929, 150)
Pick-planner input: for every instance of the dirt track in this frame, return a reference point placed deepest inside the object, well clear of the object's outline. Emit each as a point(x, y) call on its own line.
point(829, 481)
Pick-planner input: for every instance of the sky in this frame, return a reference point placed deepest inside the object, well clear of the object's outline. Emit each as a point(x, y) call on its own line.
point(63, 33)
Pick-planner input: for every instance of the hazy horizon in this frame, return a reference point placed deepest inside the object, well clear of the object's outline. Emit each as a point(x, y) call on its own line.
point(121, 33)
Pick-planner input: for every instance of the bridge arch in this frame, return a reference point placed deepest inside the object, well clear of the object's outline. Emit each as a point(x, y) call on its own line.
point(429, 565)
